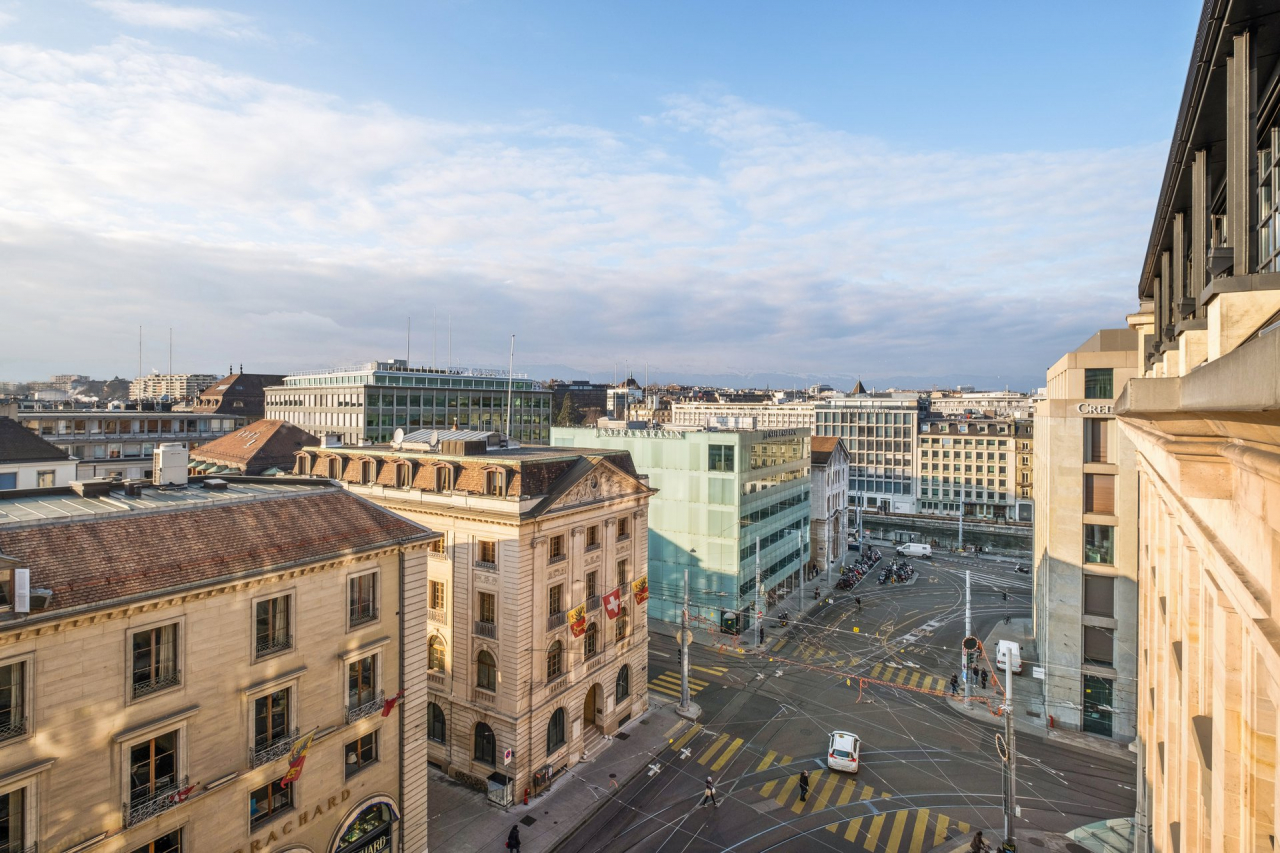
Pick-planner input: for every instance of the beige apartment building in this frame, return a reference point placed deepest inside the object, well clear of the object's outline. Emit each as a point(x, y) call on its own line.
point(530, 615)
point(164, 651)
point(175, 386)
point(1086, 541)
point(743, 415)
point(972, 464)
point(1204, 420)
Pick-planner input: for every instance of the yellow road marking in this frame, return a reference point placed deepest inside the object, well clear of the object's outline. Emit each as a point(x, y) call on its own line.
point(714, 670)
point(846, 793)
point(777, 647)
point(768, 787)
point(875, 670)
point(667, 690)
point(711, 750)
point(672, 730)
point(813, 784)
point(963, 827)
point(873, 832)
point(766, 761)
point(940, 831)
point(915, 679)
point(727, 754)
point(825, 797)
point(867, 793)
point(786, 759)
point(686, 737)
point(922, 824)
point(902, 676)
point(895, 835)
point(787, 788)
point(852, 832)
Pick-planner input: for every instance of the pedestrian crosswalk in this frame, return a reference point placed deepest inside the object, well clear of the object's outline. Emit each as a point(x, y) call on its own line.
point(906, 676)
point(887, 831)
point(669, 684)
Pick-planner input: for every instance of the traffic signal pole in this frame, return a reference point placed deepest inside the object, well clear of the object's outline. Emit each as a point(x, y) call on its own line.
point(1011, 764)
point(968, 632)
point(684, 646)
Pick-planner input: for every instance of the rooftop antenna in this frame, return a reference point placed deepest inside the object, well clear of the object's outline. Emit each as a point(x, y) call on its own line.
point(511, 366)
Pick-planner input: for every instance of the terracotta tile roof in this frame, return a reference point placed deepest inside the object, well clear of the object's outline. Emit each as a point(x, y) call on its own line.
point(245, 389)
point(821, 447)
point(100, 560)
point(19, 444)
point(257, 447)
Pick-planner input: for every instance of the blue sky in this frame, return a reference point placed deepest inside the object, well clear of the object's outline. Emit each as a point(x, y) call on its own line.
point(819, 189)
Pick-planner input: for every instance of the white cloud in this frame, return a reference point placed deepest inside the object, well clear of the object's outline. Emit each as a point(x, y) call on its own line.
point(184, 190)
point(195, 19)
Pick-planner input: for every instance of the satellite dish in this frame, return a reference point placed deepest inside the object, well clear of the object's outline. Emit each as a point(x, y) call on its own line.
point(397, 436)
point(435, 438)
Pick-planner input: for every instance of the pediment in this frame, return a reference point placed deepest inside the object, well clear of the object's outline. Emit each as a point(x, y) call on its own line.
point(601, 481)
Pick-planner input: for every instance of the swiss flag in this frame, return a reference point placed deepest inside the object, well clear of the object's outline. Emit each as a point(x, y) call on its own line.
point(181, 796)
point(389, 705)
point(613, 603)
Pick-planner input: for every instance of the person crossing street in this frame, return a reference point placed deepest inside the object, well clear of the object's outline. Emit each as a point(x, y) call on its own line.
point(709, 796)
point(804, 785)
point(955, 685)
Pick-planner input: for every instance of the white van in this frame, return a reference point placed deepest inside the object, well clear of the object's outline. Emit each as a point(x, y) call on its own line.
point(1009, 653)
point(843, 752)
point(915, 549)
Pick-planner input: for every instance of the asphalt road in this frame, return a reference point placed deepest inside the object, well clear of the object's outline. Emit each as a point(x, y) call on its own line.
point(929, 776)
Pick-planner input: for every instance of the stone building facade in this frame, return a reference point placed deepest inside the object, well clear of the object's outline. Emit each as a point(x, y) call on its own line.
point(828, 502)
point(530, 534)
point(178, 645)
point(973, 463)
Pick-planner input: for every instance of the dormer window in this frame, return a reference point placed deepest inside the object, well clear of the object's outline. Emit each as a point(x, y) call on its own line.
point(404, 475)
point(495, 482)
point(368, 471)
point(443, 478)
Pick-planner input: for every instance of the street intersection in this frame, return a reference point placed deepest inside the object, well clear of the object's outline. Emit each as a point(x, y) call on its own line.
point(930, 775)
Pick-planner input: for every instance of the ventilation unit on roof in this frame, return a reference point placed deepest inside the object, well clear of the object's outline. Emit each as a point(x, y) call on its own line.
point(171, 462)
point(215, 485)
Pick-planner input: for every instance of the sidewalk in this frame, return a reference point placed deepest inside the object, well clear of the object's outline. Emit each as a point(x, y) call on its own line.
point(463, 821)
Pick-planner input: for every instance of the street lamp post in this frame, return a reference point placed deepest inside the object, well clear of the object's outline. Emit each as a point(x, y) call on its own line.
point(684, 640)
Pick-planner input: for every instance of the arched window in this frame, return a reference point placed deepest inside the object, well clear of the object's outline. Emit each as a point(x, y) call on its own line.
point(435, 722)
point(555, 660)
point(555, 731)
point(368, 471)
point(302, 465)
point(404, 475)
point(435, 653)
point(486, 671)
point(443, 478)
point(622, 689)
point(486, 746)
point(620, 625)
point(591, 641)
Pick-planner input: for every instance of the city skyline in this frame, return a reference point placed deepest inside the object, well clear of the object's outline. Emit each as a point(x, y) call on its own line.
point(284, 194)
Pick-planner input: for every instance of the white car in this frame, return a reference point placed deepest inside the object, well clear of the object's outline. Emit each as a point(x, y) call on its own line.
point(843, 752)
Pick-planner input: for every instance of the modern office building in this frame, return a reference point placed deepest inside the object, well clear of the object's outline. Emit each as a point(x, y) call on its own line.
point(205, 631)
point(584, 396)
point(971, 463)
point(994, 404)
point(1205, 425)
point(743, 415)
point(533, 537)
point(880, 432)
point(369, 402)
point(1086, 541)
point(719, 494)
point(828, 502)
point(170, 386)
point(27, 461)
point(119, 442)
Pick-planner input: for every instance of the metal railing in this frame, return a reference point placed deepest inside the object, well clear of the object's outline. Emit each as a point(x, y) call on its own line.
point(12, 728)
point(362, 613)
point(160, 800)
point(155, 685)
point(557, 558)
point(556, 620)
point(261, 754)
point(271, 645)
point(488, 630)
point(593, 603)
point(485, 564)
point(365, 709)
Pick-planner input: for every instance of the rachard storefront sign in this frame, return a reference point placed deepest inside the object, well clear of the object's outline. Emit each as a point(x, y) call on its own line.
point(299, 821)
point(1095, 408)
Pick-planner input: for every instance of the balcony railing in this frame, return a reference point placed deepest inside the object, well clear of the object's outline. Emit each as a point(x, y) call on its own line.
point(362, 613)
point(263, 753)
point(147, 806)
point(271, 645)
point(556, 620)
point(485, 564)
point(593, 603)
point(488, 630)
point(438, 615)
point(155, 685)
point(365, 709)
point(558, 558)
point(12, 727)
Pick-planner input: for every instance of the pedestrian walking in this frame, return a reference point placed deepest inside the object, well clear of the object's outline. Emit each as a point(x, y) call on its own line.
point(975, 673)
point(977, 845)
point(955, 684)
point(984, 678)
point(804, 785)
point(513, 838)
point(709, 796)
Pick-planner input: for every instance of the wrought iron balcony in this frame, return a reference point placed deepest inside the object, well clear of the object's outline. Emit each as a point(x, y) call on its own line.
point(267, 751)
point(147, 806)
point(362, 613)
point(488, 630)
point(12, 727)
point(155, 685)
point(593, 603)
point(364, 709)
point(555, 620)
point(271, 645)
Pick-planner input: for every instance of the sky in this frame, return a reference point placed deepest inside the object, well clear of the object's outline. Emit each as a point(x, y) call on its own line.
point(928, 193)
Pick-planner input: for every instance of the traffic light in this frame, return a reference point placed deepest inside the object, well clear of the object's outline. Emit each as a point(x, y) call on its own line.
point(1006, 595)
point(680, 655)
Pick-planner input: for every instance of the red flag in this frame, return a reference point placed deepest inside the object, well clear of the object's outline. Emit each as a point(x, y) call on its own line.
point(181, 796)
point(298, 757)
point(578, 620)
point(613, 603)
point(640, 589)
point(390, 704)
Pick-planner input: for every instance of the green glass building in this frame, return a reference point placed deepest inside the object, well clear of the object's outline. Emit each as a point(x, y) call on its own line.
point(719, 493)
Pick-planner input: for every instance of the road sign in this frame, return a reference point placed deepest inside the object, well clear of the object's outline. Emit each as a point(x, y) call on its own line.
point(970, 644)
point(506, 755)
point(1002, 748)
point(759, 614)
point(686, 636)
point(1037, 672)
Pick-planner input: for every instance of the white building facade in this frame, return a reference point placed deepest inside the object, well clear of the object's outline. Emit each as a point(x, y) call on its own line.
point(879, 431)
point(828, 502)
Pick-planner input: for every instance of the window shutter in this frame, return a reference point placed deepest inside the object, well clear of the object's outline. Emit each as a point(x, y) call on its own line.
point(1099, 595)
point(1097, 645)
point(1100, 493)
point(1098, 451)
